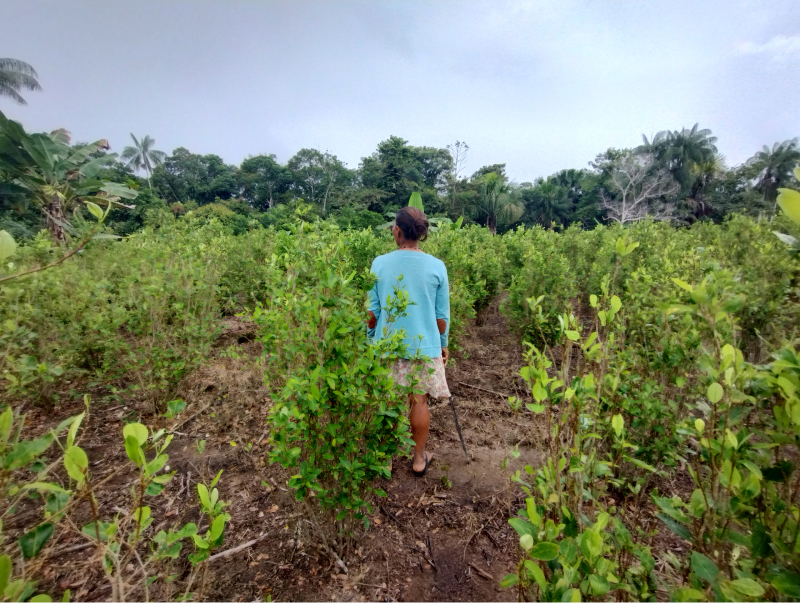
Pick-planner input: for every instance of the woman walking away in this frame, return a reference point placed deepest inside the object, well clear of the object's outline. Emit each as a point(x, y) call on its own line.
point(427, 321)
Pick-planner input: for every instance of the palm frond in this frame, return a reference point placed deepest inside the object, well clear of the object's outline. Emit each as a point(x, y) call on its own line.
point(13, 94)
point(17, 66)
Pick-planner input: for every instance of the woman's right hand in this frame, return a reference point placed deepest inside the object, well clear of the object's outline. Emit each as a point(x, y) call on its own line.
point(445, 356)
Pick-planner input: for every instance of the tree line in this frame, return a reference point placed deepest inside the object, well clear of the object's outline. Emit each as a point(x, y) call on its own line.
point(677, 175)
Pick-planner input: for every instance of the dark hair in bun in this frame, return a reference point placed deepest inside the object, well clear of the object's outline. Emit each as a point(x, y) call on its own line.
point(413, 223)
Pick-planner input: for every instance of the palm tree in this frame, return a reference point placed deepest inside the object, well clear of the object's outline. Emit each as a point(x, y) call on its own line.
point(143, 156)
point(548, 202)
point(776, 167)
point(17, 75)
point(704, 174)
point(678, 151)
point(497, 202)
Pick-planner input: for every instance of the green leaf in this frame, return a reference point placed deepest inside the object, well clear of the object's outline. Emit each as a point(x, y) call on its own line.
point(43, 598)
point(154, 489)
point(572, 335)
point(6, 421)
point(119, 190)
point(591, 544)
point(683, 285)
point(73, 429)
point(216, 479)
point(686, 594)
point(539, 393)
point(526, 542)
point(137, 430)
point(164, 478)
point(32, 542)
point(536, 572)
point(572, 595)
point(618, 423)
point(673, 525)
point(95, 210)
point(544, 551)
point(7, 245)
point(509, 580)
point(142, 514)
point(204, 499)
point(616, 304)
point(521, 526)
point(533, 515)
point(714, 393)
point(789, 202)
point(44, 487)
point(415, 200)
point(568, 550)
point(217, 527)
point(199, 542)
point(598, 584)
point(26, 451)
point(76, 463)
point(748, 587)
point(785, 582)
point(704, 568)
point(134, 451)
point(156, 464)
point(102, 528)
point(190, 529)
point(5, 572)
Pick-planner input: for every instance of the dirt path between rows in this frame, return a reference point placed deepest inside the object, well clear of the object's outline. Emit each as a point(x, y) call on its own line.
point(440, 538)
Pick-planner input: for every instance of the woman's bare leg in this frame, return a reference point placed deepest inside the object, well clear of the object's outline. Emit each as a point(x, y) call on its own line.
point(420, 425)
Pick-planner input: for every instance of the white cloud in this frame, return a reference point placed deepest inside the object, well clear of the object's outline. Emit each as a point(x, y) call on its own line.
point(781, 49)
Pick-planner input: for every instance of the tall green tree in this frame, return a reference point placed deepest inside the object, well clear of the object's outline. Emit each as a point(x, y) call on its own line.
point(705, 174)
point(546, 202)
point(775, 167)
point(186, 176)
point(397, 169)
point(142, 156)
point(263, 181)
point(317, 175)
point(678, 151)
point(497, 203)
point(15, 76)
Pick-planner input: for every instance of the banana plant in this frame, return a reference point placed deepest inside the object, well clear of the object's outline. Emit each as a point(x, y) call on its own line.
point(57, 176)
point(789, 201)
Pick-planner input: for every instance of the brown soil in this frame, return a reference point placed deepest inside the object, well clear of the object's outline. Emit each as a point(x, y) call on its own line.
point(443, 537)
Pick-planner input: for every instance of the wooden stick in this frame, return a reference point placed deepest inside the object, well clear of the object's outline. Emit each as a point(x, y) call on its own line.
point(458, 427)
point(73, 549)
point(237, 549)
point(482, 573)
point(172, 429)
point(484, 389)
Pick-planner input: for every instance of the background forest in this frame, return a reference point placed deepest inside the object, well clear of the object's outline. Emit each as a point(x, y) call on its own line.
point(678, 175)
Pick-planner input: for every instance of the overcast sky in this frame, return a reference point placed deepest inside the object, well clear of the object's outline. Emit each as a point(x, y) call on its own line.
point(538, 85)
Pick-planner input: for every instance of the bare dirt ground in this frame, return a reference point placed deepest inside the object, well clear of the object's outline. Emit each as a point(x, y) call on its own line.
point(443, 537)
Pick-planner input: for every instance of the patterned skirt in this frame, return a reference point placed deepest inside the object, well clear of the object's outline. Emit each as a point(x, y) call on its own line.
point(432, 383)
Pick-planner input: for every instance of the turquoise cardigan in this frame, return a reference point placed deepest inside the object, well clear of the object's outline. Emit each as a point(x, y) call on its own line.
point(425, 280)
